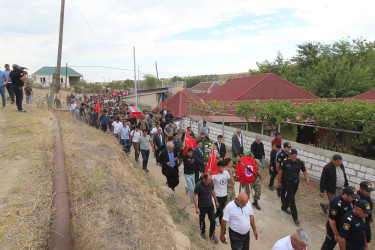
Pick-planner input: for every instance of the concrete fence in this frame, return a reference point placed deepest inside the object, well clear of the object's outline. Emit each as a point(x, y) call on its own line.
point(357, 169)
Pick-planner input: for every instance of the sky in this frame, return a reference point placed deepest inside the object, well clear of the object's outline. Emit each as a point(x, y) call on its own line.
point(185, 38)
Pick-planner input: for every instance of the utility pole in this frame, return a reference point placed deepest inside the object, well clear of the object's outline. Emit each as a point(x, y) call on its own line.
point(139, 84)
point(157, 73)
point(66, 75)
point(56, 76)
point(135, 78)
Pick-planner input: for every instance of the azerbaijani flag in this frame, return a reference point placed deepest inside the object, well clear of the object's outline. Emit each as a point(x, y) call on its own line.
point(135, 109)
point(160, 101)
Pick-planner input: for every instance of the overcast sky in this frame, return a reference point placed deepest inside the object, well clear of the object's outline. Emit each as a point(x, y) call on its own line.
point(184, 37)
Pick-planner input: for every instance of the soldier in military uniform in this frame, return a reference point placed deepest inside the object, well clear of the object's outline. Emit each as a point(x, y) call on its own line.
point(283, 155)
point(170, 129)
point(157, 117)
point(338, 207)
point(143, 124)
point(231, 194)
point(352, 235)
point(365, 189)
point(290, 172)
point(258, 191)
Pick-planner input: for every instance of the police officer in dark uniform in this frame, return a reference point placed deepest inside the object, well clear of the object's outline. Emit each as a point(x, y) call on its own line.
point(352, 235)
point(283, 155)
point(290, 170)
point(338, 207)
point(365, 189)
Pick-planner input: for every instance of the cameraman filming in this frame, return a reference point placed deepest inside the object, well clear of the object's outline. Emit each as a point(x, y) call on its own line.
point(18, 76)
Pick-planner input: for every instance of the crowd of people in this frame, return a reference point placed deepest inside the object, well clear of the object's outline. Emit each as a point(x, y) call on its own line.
point(213, 195)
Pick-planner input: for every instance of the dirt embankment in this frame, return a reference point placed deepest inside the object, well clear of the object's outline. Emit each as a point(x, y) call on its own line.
point(115, 205)
point(26, 164)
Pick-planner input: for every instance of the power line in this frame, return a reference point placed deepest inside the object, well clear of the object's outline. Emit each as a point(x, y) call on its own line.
point(93, 31)
point(106, 67)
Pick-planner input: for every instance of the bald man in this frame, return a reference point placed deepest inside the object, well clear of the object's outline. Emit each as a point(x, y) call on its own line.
point(239, 216)
point(169, 163)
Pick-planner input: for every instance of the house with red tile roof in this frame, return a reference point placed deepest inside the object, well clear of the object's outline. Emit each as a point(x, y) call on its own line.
point(205, 87)
point(260, 87)
point(368, 96)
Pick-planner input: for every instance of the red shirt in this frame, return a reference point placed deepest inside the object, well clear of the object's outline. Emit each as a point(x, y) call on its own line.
point(274, 141)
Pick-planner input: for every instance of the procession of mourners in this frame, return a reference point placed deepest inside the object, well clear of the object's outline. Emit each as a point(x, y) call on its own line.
point(210, 173)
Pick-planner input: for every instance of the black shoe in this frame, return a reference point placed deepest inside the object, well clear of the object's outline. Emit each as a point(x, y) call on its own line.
point(324, 207)
point(271, 188)
point(286, 211)
point(12, 102)
point(214, 239)
point(278, 190)
point(22, 110)
point(297, 222)
point(256, 205)
point(203, 235)
point(146, 170)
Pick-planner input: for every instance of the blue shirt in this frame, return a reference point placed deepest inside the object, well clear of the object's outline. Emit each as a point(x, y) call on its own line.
point(7, 75)
point(124, 132)
point(2, 78)
point(171, 158)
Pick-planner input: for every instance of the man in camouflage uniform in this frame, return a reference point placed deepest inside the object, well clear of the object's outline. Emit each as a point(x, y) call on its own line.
point(258, 191)
point(170, 129)
point(143, 124)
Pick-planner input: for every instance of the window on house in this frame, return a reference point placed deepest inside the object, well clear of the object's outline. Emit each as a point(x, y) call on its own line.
point(62, 80)
point(42, 80)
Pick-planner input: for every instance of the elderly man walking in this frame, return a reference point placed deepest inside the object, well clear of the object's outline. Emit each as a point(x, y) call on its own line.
point(332, 180)
point(239, 216)
point(298, 240)
point(169, 163)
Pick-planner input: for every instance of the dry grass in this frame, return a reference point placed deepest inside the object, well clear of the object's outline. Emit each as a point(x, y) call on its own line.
point(115, 205)
point(26, 166)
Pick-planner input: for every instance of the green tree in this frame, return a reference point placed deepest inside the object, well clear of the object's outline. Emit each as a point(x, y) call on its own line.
point(129, 83)
point(150, 82)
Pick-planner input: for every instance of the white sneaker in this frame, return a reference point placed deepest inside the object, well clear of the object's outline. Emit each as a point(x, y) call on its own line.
point(226, 239)
point(217, 223)
point(192, 205)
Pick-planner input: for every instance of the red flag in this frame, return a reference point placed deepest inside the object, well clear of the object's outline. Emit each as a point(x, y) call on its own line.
point(97, 107)
point(189, 143)
point(212, 163)
point(124, 93)
point(114, 93)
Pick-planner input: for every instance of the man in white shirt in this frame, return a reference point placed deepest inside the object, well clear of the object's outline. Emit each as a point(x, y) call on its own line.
point(73, 107)
point(116, 126)
point(220, 185)
point(299, 240)
point(239, 216)
point(123, 136)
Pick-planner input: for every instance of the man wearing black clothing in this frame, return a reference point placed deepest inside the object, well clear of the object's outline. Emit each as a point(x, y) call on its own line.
point(284, 154)
point(169, 116)
point(221, 146)
point(189, 164)
point(338, 207)
point(332, 180)
point(18, 79)
point(159, 143)
point(190, 132)
point(272, 168)
point(203, 205)
point(169, 163)
point(290, 170)
point(257, 148)
point(365, 189)
point(199, 164)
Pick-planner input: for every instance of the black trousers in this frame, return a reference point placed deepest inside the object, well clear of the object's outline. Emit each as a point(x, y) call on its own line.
point(284, 202)
point(104, 127)
point(272, 176)
point(172, 176)
point(290, 199)
point(219, 211)
point(10, 91)
point(211, 216)
point(354, 247)
point(18, 92)
point(368, 232)
point(239, 241)
point(329, 243)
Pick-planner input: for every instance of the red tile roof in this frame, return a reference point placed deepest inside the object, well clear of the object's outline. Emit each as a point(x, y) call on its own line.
point(178, 104)
point(206, 86)
point(367, 96)
point(261, 87)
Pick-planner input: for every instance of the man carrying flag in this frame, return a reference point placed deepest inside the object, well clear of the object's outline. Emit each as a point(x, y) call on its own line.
point(97, 107)
point(189, 143)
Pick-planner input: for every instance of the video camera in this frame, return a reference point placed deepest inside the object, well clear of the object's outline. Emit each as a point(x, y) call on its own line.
point(19, 69)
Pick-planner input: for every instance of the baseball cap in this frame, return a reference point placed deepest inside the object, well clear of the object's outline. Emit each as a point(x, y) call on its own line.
point(293, 151)
point(364, 205)
point(366, 185)
point(349, 190)
point(287, 145)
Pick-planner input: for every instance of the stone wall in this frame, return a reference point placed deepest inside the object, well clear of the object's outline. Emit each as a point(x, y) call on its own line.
point(356, 168)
